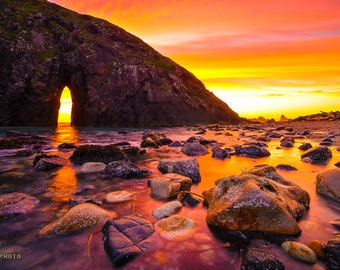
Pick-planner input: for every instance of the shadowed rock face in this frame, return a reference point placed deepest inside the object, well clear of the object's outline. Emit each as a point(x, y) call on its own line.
point(115, 78)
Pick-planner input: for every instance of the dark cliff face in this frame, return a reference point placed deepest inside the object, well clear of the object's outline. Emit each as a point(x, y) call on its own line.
point(115, 78)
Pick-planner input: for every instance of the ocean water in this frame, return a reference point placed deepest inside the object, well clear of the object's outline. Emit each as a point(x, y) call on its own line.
point(19, 235)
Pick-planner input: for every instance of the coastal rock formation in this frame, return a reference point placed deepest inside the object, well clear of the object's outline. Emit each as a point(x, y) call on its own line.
point(115, 78)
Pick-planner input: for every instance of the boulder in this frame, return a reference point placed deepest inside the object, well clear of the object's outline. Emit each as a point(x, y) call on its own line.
point(125, 169)
point(185, 166)
point(333, 252)
point(16, 203)
point(92, 167)
point(299, 251)
point(168, 185)
point(78, 218)
point(176, 228)
point(218, 152)
point(252, 151)
point(286, 167)
point(194, 149)
point(328, 183)
point(261, 254)
point(175, 144)
point(318, 248)
point(317, 155)
point(126, 237)
point(97, 153)
point(252, 203)
point(167, 209)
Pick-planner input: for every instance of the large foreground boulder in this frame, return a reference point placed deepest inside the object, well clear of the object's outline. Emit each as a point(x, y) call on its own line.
point(115, 78)
point(16, 203)
point(252, 203)
point(126, 237)
point(328, 183)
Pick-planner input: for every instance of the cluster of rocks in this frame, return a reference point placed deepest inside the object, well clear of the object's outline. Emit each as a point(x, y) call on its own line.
point(258, 204)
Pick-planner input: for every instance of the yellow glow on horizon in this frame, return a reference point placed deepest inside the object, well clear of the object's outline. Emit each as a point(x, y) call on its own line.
point(65, 106)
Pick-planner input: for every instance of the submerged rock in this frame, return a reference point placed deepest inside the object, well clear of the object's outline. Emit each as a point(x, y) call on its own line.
point(125, 169)
point(318, 154)
point(299, 251)
point(126, 237)
point(16, 203)
point(185, 166)
point(261, 254)
point(78, 218)
point(252, 203)
point(176, 228)
point(169, 185)
point(167, 209)
point(49, 163)
point(97, 153)
point(118, 196)
point(305, 146)
point(92, 167)
point(328, 183)
point(286, 167)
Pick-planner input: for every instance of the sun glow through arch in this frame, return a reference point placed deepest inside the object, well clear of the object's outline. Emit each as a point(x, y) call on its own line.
point(65, 109)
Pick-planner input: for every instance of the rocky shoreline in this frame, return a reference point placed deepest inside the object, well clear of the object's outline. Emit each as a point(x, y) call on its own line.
point(253, 211)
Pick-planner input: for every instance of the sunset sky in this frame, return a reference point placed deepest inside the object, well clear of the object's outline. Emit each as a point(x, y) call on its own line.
point(263, 58)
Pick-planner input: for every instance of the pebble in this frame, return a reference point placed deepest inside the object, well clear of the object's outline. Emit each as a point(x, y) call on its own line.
point(167, 209)
point(118, 196)
point(299, 251)
point(176, 228)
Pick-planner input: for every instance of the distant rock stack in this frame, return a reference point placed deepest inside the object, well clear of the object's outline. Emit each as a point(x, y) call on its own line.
point(115, 78)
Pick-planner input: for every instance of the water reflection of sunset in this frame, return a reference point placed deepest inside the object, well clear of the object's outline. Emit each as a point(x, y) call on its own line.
point(64, 184)
point(65, 133)
point(261, 57)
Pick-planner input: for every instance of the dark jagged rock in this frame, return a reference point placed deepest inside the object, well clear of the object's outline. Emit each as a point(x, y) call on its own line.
point(317, 155)
point(262, 254)
point(218, 152)
point(305, 146)
point(185, 166)
point(114, 77)
point(125, 169)
point(333, 252)
point(126, 237)
point(97, 153)
point(252, 151)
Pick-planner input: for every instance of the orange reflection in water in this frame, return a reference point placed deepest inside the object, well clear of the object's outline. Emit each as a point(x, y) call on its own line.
point(64, 184)
point(65, 133)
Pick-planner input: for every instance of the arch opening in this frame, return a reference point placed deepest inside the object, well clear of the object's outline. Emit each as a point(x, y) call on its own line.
point(65, 109)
